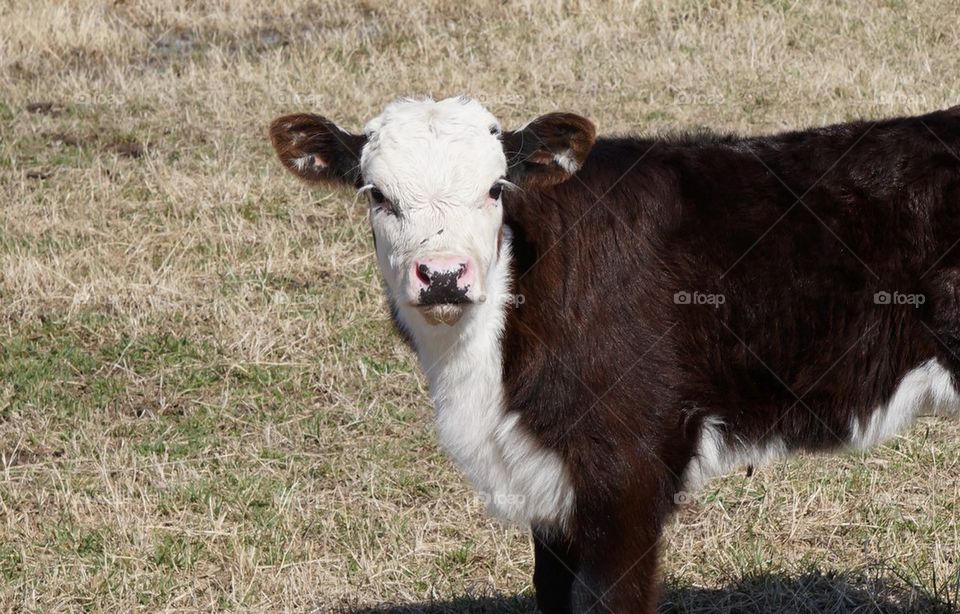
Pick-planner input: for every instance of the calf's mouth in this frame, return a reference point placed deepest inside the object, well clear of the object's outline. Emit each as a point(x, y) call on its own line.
point(443, 313)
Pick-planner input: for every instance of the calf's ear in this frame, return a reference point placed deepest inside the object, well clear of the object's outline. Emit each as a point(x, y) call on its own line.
point(316, 150)
point(548, 150)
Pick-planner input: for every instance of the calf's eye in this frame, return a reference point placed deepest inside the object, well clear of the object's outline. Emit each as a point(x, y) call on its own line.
point(495, 191)
point(380, 201)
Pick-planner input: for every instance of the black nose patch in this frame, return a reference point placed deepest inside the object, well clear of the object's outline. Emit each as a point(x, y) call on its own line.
point(444, 290)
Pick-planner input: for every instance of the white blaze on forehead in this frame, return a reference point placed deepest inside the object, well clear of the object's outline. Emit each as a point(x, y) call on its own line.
point(424, 151)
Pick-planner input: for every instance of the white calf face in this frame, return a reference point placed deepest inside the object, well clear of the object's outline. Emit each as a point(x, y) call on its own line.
point(433, 172)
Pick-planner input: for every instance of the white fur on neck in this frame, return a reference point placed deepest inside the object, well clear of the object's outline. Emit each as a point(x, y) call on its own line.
point(517, 478)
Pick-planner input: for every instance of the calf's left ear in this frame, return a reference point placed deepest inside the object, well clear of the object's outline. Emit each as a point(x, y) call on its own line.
point(548, 150)
point(317, 150)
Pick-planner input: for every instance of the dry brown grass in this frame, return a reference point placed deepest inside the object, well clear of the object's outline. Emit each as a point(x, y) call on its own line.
point(201, 403)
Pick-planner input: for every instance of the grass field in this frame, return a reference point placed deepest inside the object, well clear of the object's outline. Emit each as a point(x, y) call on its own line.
point(202, 404)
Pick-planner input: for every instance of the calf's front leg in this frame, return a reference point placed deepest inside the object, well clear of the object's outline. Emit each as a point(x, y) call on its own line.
point(608, 562)
point(554, 571)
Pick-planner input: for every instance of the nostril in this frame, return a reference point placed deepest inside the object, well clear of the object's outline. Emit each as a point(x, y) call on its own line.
point(423, 274)
point(463, 269)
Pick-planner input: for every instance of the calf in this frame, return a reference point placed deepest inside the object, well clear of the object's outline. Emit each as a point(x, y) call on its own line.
point(606, 323)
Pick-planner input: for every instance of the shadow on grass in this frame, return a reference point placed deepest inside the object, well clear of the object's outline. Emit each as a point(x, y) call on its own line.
point(492, 605)
point(812, 592)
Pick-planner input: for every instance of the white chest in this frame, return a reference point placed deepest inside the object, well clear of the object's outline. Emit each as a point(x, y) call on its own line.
point(513, 475)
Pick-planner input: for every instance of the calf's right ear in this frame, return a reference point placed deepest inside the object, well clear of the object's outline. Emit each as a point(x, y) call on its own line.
point(316, 150)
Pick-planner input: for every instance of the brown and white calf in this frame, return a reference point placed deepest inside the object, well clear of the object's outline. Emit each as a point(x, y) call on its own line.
point(605, 323)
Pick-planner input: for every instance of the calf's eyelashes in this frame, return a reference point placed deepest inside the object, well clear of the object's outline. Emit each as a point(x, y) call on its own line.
point(381, 202)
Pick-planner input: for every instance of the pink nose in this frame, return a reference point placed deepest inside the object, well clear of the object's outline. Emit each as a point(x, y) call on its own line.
point(442, 280)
